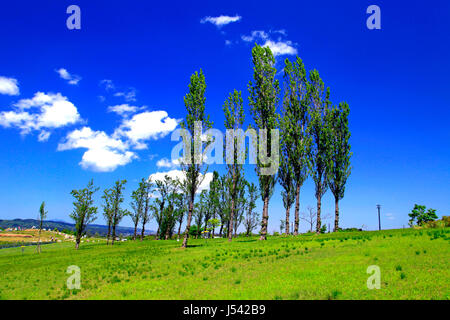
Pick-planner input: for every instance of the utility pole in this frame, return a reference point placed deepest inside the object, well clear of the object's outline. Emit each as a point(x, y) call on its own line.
point(379, 221)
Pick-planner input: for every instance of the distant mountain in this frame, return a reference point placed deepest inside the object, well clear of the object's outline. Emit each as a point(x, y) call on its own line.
point(61, 225)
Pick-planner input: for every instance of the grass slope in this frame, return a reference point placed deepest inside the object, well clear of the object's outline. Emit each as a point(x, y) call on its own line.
point(414, 265)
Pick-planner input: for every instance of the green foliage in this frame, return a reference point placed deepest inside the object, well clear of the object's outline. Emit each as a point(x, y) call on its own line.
point(420, 216)
point(84, 211)
point(192, 164)
point(318, 108)
point(263, 99)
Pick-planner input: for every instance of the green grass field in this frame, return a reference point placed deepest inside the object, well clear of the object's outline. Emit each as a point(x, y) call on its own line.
point(414, 264)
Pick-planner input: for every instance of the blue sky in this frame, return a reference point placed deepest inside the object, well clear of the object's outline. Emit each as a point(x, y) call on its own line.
point(59, 89)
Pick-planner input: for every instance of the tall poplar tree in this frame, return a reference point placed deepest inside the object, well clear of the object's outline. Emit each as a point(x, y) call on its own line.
point(339, 154)
point(117, 212)
point(107, 211)
point(84, 211)
point(263, 99)
point(296, 140)
point(319, 105)
point(234, 119)
point(192, 162)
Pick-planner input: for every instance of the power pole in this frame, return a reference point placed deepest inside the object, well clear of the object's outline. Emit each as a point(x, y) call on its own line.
point(379, 221)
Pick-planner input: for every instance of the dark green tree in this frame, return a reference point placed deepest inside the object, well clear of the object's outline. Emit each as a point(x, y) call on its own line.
point(318, 107)
point(251, 218)
point(263, 99)
point(116, 200)
point(192, 162)
point(42, 217)
point(420, 216)
point(296, 140)
point(234, 119)
point(107, 211)
point(146, 186)
point(84, 211)
point(339, 154)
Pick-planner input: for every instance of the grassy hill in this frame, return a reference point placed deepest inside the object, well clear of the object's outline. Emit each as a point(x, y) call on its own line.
point(414, 264)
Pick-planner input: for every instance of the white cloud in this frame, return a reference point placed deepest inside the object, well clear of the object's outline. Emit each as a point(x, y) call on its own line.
point(123, 109)
point(390, 216)
point(9, 86)
point(71, 78)
point(107, 84)
point(146, 125)
point(104, 153)
point(42, 111)
point(221, 20)
point(280, 47)
point(255, 35)
point(181, 176)
point(128, 96)
point(166, 163)
point(43, 136)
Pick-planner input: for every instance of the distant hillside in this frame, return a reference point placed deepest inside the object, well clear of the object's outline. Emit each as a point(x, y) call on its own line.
point(61, 225)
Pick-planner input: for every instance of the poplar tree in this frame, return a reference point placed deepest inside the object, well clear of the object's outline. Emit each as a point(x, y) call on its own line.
point(263, 99)
point(42, 216)
point(192, 162)
point(339, 154)
point(296, 140)
point(146, 187)
point(107, 211)
point(318, 107)
point(84, 211)
point(251, 218)
point(116, 200)
point(234, 119)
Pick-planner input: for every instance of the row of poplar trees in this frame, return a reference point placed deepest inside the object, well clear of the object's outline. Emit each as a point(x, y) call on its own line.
point(314, 142)
point(314, 137)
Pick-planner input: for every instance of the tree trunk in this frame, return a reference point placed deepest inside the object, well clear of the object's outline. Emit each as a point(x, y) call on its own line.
point(319, 208)
point(109, 233)
point(157, 233)
point(113, 234)
point(336, 214)
point(142, 231)
point(287, 219)
point(77, 244)
point(297, 209)
point(135, 231)
point(265, 219)
point(188, 222)
point(39, 242)
point(230, 226)
point(221, 229)
point(179, 231)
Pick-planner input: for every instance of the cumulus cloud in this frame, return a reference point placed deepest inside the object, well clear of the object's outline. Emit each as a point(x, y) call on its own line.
point(9, 86)
point(123, 109)
point(128, 96)
point(255, 35)
point(107, 84)
point(181, 176)
point(107, 152)
point(279, 47)
point(221, 20)
point(146, 125)
point(104, 153)
point(166, 163)
point(71, 78)
point(43, 111)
